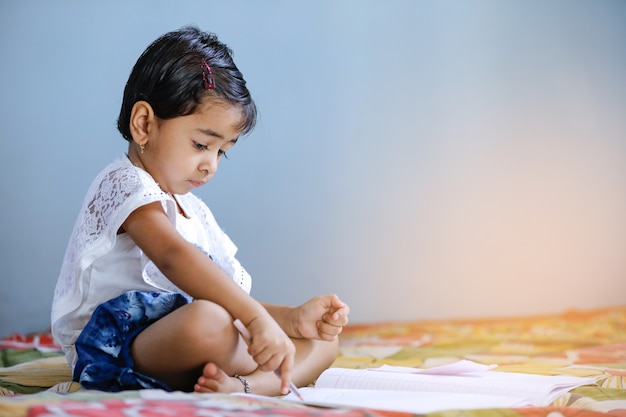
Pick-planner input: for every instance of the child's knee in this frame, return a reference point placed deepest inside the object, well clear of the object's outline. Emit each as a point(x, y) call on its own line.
point(209, 323)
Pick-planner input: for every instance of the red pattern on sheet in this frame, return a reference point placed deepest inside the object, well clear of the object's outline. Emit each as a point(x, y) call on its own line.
point(169, 408)
point(42, 341)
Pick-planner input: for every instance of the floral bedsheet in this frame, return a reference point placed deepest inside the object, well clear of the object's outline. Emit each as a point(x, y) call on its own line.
point(34, 379)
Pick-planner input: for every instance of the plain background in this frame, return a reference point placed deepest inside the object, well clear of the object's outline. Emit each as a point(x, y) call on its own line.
point(423, 159)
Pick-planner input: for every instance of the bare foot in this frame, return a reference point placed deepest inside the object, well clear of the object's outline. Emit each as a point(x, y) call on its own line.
point(214, 379)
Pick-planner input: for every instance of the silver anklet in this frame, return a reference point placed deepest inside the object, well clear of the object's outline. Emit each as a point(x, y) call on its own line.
point(244, 381)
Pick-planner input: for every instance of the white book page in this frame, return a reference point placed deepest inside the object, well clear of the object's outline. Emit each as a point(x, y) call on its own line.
point(539, 390)
point(461, 367)
point(412, 402)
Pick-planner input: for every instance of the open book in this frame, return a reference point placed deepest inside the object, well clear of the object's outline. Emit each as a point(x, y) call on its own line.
point(461, 385)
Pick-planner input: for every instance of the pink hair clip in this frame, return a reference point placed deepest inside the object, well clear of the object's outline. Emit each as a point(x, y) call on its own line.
point(207, 76)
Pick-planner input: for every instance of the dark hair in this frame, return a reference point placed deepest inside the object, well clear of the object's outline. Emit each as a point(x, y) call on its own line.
point(169, 76)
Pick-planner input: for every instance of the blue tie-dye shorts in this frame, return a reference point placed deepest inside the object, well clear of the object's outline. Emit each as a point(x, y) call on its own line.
point(103, 347)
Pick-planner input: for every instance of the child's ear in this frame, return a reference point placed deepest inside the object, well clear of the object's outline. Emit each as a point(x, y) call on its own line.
point(141, 118)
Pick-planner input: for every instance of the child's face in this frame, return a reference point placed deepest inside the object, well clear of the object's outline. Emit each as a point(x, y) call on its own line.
point(184, 152)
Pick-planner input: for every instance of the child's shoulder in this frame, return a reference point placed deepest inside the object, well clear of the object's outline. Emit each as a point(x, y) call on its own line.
point(121, 176)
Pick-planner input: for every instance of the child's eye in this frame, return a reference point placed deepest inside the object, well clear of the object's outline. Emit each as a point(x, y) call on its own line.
point(199, 146)
point(222, 153)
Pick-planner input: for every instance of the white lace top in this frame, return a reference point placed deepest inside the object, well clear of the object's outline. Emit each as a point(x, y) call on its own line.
point(99, 264)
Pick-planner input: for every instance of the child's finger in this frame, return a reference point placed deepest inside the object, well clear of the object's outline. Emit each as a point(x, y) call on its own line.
point(328, 331)
point(337, 318)
point(336, 302)
point(284, 373)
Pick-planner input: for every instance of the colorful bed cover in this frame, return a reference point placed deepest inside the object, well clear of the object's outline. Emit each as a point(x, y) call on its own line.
point(35, 381)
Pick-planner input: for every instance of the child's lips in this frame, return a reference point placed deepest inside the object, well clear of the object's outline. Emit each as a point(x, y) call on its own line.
point(197, 183)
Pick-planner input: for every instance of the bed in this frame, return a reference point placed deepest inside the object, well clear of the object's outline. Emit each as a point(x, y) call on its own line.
point(35, 381)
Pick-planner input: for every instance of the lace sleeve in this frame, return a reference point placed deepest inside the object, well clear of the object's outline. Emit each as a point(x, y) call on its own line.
point(113, 195)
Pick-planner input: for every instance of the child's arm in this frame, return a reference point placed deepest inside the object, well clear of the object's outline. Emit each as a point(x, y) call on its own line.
point(193, 272)
point(321, 317)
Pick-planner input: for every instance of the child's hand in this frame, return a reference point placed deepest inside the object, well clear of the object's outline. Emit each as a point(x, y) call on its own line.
point(321, 317)
point(271, 348)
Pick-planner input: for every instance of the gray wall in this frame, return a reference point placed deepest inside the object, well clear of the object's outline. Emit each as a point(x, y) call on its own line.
point(423, 159)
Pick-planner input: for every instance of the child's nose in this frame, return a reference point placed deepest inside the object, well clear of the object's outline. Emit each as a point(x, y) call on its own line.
point(210, 163)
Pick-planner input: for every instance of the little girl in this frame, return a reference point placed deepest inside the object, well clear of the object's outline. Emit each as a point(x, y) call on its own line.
point(150, 285)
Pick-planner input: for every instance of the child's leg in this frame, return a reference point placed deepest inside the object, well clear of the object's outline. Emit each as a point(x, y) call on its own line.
point(312, 358)
point(198, 344)
point(176, 348)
